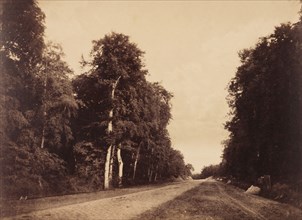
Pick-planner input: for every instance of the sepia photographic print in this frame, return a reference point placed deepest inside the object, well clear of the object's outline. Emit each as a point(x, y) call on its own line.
point(150, 109)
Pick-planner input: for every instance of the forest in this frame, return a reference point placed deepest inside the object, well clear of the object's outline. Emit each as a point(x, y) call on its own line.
point(265, 98)
point(265, 123)
point(65, 133)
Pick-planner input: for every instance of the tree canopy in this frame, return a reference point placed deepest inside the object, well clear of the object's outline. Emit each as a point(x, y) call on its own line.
point(265, 101)
point(26, 168)
point(116, 96)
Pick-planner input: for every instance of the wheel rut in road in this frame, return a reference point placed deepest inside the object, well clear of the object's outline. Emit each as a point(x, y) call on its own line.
point(220, 201)
point(239, 204)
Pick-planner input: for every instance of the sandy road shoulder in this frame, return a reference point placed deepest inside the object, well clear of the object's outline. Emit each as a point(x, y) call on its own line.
point(257, 207)
point(240, 204)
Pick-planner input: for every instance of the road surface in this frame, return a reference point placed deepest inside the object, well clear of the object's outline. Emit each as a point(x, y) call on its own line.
point(209, 199)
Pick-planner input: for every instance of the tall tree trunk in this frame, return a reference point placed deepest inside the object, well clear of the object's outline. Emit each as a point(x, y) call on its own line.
point(110, 151)
point(120, 166)
point(43, 136)
point(44, 111)
point(111, 165)
point(156, 173)
point(107, 168)
point(135, 162)
point(150, 173)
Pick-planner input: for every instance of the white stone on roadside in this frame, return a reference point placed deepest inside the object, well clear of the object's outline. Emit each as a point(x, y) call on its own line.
point(254, 190)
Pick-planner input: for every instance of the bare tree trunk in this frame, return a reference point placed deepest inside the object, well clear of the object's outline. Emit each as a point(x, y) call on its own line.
point(111, 166)
point(44, 112)
point(111, 149)
point(43, 136)
point(150, 173)
point(135, 162)
point(156, 173)
point(107, 168)
point(110, 127)
point(120, 166)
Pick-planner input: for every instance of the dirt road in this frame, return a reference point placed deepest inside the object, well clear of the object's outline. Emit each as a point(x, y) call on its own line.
point(187, 200)
point(120, 207)
point(216, 200)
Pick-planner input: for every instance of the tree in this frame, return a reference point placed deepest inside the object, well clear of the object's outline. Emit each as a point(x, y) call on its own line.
point(189, 169)
point(22, 30)
point(155, 143)
point(25, 168)
point(265, 101)
point(211, 170)
point(124, 113)
point(116, 71)
point(57, 102)
point(22, 27)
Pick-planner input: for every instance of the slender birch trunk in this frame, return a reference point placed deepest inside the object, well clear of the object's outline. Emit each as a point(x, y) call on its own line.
point(120, 166)
point(155, 177)
point(43, 135)
point(135, 162)
point(107, 167)
point(150, 173)
point(44, 111)
point(150, 177)
point(110, 150)
point(111, 165)
point(156, 173)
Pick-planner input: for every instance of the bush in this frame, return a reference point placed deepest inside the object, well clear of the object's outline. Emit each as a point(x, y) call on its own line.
point(286, 193)
point(31, 172)
point(89, 167)
point(196, 176)
point(212, 170)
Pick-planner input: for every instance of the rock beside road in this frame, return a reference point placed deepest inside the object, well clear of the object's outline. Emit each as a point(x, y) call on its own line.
point(253, 190)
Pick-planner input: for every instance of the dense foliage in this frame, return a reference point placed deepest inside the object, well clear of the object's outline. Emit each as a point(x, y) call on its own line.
point(119, 119)
point(265, 98)
point(211, 170)
point(124, 115)
point(27, 169)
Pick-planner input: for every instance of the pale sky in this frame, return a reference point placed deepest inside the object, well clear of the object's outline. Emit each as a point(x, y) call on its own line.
point(191, 48)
